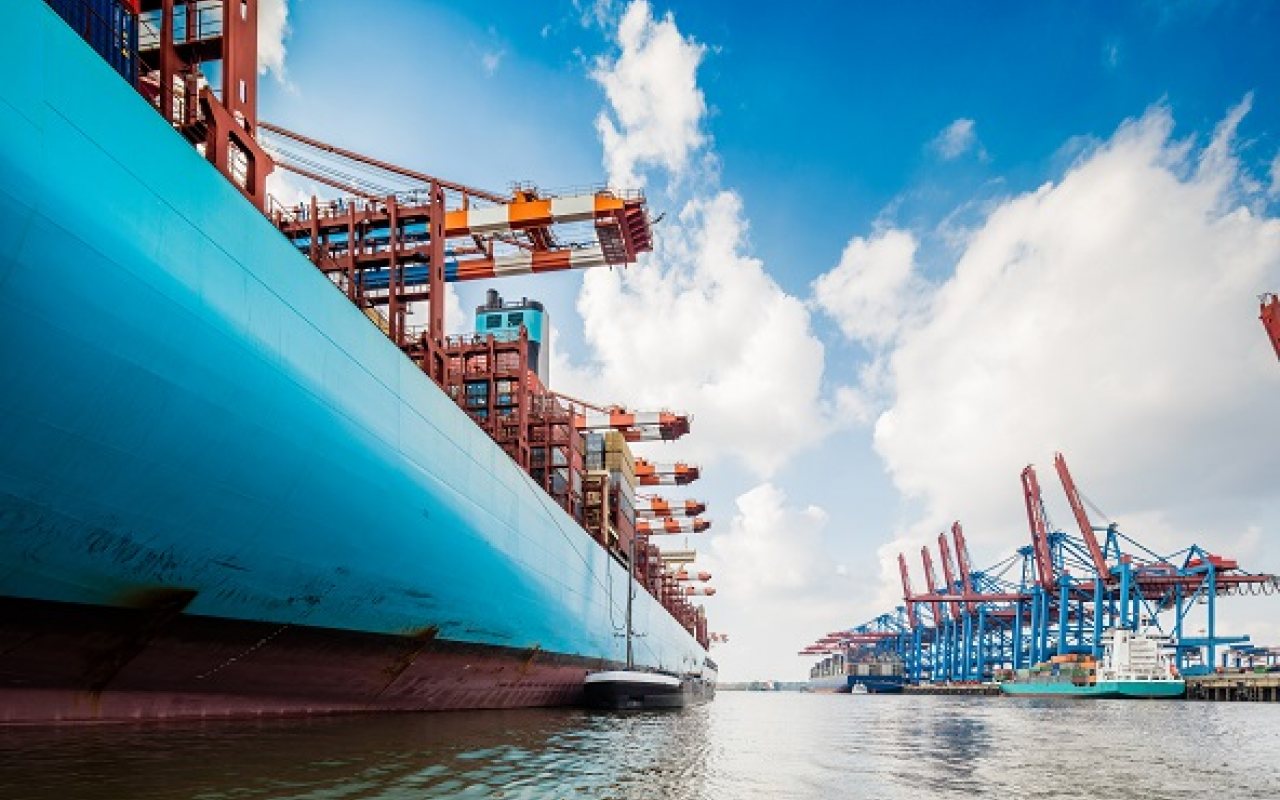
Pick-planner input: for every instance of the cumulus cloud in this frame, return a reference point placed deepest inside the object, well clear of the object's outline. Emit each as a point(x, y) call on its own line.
point(955, 140)
point(774, 562)
point(1110, 314)
point(699, 324)
point(290, 190)
point(702, 327)
point(869, 291)
point(598, 13)
point(273, 30)
point(1273, 190)
point(655, 106)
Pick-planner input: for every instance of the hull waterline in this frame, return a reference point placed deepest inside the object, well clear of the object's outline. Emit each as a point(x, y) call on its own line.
point(1102, 689)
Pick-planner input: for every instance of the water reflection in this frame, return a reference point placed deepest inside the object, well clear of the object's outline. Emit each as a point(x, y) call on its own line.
point(741, 746)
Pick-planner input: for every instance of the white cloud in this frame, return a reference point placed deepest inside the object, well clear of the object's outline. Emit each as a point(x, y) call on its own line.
point(699, 324)
point(491, 60)
point(273, 30)
point(955, 140)
point(774, 563)
point(290, 190)
point(598, 13)
point(1273, 190)
point(869, 290)
point(1111, 315)
point(655, 105)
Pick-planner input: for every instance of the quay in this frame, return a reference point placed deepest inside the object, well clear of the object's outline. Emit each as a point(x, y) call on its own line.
point(1235, 686)
point(954, 689)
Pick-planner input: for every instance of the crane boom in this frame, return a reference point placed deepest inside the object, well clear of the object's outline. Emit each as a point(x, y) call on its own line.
point(1082, 519)
point(1039, 528)
point(931, 581)
point(947, 573)
point(962, 558)
point(912, 615)
point(1271, 319)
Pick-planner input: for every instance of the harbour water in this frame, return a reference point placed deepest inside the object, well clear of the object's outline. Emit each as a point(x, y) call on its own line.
point(744, 745)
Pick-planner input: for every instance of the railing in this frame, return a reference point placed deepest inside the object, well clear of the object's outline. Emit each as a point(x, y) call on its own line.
point(575, 190)
point(192, 22)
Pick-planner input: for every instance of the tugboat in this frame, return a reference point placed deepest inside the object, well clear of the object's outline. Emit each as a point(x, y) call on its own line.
point(1132, 666)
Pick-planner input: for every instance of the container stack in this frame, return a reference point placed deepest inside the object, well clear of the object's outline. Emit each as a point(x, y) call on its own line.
point(609, 506)
point(581, 457)
point(109, 26)
point(557, 453)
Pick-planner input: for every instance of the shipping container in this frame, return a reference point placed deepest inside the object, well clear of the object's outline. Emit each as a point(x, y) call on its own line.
point(109, 26)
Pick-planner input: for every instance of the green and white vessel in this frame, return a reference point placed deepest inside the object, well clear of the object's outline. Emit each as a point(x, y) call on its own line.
point(1132, 666)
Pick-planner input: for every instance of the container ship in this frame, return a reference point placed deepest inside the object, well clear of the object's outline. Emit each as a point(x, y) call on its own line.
point(235, 480)
point(843, 673)
point(1132, 666)
point(858, 660)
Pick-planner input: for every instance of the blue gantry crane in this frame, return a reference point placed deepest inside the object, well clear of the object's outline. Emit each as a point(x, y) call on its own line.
point(1057, 595)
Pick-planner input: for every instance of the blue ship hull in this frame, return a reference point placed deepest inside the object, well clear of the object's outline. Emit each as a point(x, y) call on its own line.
point(843, 684)
point(222, 489)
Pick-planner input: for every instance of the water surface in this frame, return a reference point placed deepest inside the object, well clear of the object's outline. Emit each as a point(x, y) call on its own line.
point(744, 745)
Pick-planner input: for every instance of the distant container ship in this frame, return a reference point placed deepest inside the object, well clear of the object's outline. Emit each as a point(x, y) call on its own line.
point(222, 490)
point(843, 673)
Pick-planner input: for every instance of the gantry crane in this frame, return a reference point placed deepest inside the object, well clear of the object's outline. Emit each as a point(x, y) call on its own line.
point(1057, 596)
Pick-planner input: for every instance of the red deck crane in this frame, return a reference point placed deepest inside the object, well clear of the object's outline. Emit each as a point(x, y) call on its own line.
point(678, 474)
point(686, 575)
point(671, 525)
point(655, 507)
point(635, 426)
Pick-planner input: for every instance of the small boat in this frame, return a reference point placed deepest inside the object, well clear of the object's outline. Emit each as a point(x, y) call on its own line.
point(628, 689)
point(631, 689)
point(858, 688)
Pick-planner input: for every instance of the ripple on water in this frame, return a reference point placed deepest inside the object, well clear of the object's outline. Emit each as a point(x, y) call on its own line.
point(753, 745)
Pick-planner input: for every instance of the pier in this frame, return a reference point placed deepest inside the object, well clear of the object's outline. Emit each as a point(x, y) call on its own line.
point(1235, 686)
point(954, 689)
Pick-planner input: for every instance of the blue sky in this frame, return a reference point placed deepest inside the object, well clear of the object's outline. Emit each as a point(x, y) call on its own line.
point(821, 115)
point(894, 147)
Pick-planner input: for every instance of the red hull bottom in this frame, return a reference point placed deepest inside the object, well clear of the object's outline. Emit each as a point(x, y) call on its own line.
point(72, 663)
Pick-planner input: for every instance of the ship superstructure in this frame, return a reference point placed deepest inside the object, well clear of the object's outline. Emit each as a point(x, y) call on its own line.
point(236, 481)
